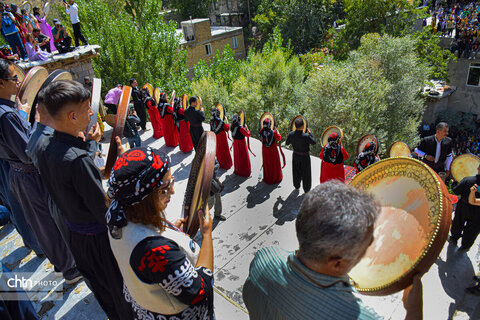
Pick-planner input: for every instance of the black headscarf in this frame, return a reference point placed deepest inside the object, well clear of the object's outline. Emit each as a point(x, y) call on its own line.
point(177, 117)
point(136, 173)
point(266, 134)
point(235, 124)
point(367, 157)
point(163, 104)
point(332, 152)
point(216, 124)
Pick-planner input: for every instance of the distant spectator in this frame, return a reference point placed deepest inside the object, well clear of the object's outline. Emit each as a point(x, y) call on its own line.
point(63, 41)
point(72, 10)
point(27, 20)
point(87, 82)
point(112, 98)
point(42, 39)
point(131, 132)
point(7, 53)
point(35, 53)
point(10, 33)
point(45, 28)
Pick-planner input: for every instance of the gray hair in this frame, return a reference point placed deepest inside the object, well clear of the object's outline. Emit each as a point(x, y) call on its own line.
point(334, 220)
point(441, 125)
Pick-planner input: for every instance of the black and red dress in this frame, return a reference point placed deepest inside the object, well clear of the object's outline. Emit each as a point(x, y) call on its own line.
point(183, 127)
point(221, 128)
point(272, 168)
point(241, 158)
point(170, 133)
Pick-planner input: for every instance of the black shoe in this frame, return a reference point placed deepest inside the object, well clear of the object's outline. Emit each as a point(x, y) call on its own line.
point(452, 241)
point(73, 278)
point(220, 217)
point(475, 290)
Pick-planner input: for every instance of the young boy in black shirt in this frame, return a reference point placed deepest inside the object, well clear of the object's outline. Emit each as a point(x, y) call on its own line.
point(75, 184)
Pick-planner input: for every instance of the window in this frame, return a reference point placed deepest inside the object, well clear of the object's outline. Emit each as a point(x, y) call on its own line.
point(473, 78)
point(229, 4)
point(208, 47)
point(234, 43)
point(218, 18)
point(188, 33)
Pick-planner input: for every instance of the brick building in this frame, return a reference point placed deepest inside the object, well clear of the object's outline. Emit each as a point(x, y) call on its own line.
point(202, 40)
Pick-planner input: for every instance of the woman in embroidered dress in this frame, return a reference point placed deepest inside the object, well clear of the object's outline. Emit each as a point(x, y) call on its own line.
point(34, 52)
point(166, 274)
point(332, 156)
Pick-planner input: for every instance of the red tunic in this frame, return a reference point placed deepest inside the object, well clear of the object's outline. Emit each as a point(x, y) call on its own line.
point(272, 168)
point(223, 152)
point(185, 140)
point(241, 157)
point(169, 131)
point(330, 171)
point(155, 119)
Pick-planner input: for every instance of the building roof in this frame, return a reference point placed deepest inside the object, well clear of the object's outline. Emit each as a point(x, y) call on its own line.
point(215, 30)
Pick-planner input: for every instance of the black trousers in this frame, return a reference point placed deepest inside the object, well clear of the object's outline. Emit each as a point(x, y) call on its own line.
point(77, 34)
point(465, 225)
point(112, 107)
point(96, 262)
point(302, 172)
point(28, 188)
point(196, 133)
point(142, 114)
point(64, 46)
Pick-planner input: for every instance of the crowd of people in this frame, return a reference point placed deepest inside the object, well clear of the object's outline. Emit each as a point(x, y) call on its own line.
point(30, 37)
point(457, 19)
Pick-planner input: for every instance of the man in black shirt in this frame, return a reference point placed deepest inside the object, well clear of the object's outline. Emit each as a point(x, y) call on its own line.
point(302, 168)
point(43, 40)
point(75, 184)
point(436, 150)
point(195, 117)
point(137, 98)
point(466, 223)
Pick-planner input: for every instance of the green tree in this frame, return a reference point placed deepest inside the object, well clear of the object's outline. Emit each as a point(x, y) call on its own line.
point(303, 22)
point(191, 8)
point(149, 52)
point(222, 68)
point(375, 90)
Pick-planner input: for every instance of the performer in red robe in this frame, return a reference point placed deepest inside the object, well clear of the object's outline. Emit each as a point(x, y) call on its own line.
point(168, 126)
point(153, 114)
point(332, 156)
point(241, 157)
point(221, 128)
point(272, 168)
point(183, 127)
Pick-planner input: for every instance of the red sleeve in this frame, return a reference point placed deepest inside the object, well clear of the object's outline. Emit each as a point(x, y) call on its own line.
point(277, 136)
point(170, 110)
point(345, 154)
point(226, 126)
point(181, 111)
point(245, 132)
point(321, 154)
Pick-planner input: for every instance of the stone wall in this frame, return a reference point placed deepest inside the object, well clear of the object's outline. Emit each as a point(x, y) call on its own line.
point(78, 62)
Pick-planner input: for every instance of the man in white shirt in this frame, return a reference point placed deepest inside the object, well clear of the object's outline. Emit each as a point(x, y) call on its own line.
point(72, 10)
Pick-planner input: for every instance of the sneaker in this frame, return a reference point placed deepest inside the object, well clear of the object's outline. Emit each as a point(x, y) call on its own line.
point(74, 278)
point(220, 217)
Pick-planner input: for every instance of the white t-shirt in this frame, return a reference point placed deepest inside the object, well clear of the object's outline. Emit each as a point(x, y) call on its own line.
point(73, 12)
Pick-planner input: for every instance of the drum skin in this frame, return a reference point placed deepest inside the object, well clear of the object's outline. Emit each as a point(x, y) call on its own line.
point(328, 131)
point(221, 108)
point(366, 139)
point(31, 85)
point(149, 87)
point(95, 104)
point(399, 149)
point(241, 115)
point(20, 72)
point(199, 181)
point(305, 123)
point(464, 166)
point(411, 229)
point(117, 129)
point(267, 115)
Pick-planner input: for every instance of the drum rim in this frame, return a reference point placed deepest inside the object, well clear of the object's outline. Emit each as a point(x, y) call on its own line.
point(24, 85)
point(465, 155)
point(242, 116)
point(325, 131)
point(362, 138)
point(184, 101)
point(96, 97)
point(266, 115)
point(221, 108)
point(397, 142)
point(305, 123)
point(435, 233)
point(149, 87)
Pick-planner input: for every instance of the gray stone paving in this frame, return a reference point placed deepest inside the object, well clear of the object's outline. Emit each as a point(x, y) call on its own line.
point(258, 215)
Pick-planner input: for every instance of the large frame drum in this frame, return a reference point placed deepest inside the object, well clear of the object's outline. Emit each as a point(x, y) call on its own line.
point(411, 229)
point(464, 166)
point(327, 132)
point(199, 181)
point(399, 149)
point(305, 123)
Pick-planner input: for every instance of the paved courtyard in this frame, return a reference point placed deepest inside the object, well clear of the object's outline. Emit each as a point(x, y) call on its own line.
point(258, 215)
